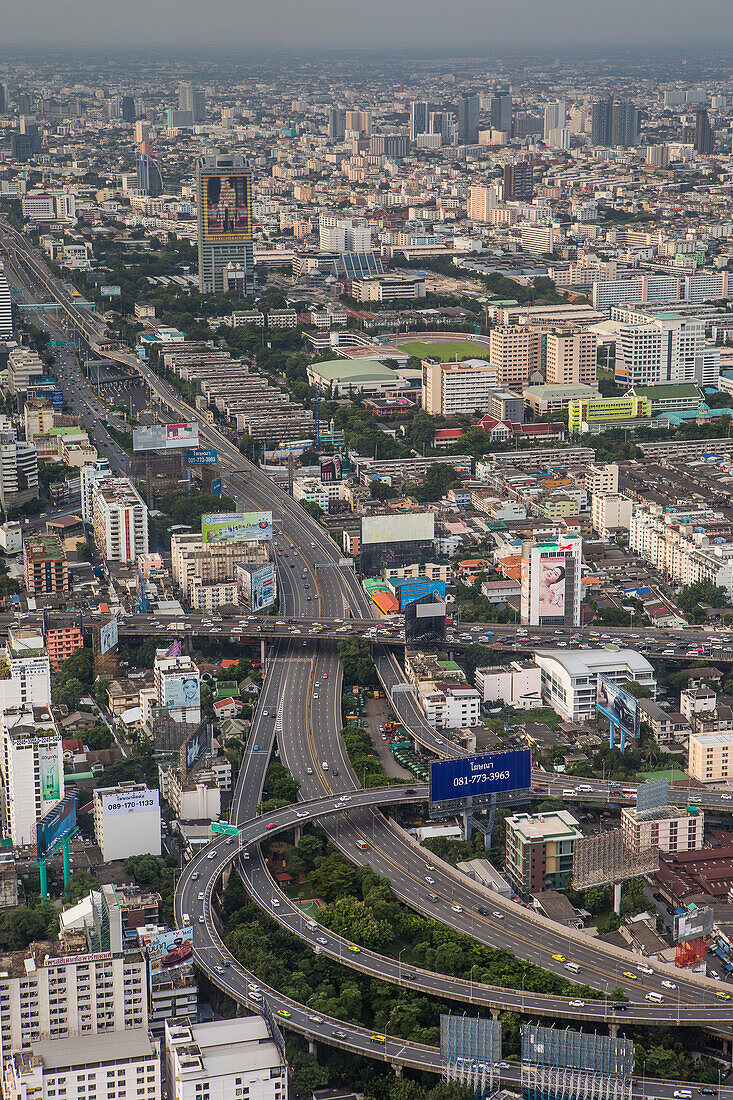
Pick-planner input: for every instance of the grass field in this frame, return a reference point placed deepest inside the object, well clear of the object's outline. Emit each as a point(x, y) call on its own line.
point(448, 351)
point(672, 775)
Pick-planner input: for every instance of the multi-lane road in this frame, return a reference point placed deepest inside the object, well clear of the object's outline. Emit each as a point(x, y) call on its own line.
point(300, 704)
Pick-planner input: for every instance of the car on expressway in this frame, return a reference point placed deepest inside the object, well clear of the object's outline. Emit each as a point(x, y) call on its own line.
point(559, 958)
point(284, 1013)
point(630, 976)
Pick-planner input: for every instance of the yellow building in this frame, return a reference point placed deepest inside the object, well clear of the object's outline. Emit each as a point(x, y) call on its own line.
point(711, 756)
point(595, 410)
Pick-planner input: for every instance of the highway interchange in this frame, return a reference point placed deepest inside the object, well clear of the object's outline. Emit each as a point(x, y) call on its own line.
point(306, 723)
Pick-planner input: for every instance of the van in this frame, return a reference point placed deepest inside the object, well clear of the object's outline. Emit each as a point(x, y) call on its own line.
point(568, 792)
point(186, 918)
point(324, 765)
point(572, 967)
point(311, 924)
point(362, 845)
point(682, 1094)
point(584, 787)
point(656, 998)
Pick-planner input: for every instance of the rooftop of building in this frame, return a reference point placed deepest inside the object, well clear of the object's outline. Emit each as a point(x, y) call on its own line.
point(347, 370)
point(219, 1044)
point(87, 1050)
point(709, 740)
point(47, 546)
point(581, 661)
point(556, 825)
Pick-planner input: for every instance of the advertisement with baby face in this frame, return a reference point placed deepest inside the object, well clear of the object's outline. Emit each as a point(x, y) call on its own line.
point(552, 587)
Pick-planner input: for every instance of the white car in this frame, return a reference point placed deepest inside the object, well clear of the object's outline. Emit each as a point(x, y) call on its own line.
point(644, 969)
point(668, 985)
point(577, 1004)
point(302, 813)
point(457, 908)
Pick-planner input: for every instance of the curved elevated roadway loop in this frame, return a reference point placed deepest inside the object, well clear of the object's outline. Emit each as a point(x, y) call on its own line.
point(340, 594)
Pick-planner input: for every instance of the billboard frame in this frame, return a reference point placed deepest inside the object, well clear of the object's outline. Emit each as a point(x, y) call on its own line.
point(612, 700)
point(242, 204)
point(165, 437)
point(482, 775)
point(62, 820)
point(242, 527)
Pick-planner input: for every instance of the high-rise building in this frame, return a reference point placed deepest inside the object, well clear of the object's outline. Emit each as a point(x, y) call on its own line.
point(518, 182)
point(119, 519)
point(127, 108)
point(614, 123)
point(359, 122)
point(3, 100)
point(515, 351)
point(653, 349)
point(45, 566)
point(142, 131)
point(704, 140)
point(193, 99)
point(178, 119)
point(6, 309)
point(18, 470)
point(336, 124)
point(481, 201)
point(452, 388)
point(467, 115)
point(419, 115)
point(501, 112)
point(224, 200)
point(571, 356)
point(149, 179)
point(555, 118)
point(550, 579)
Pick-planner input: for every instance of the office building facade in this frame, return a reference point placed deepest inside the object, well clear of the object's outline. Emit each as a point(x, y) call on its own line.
point(191, 98)
point(6, 309)
point(452, 388)
point(515, 351)
point(467, 115)
point(550, 581)
point(149, 179)
point(224, 211)
point(614, 123)
point(518, 182)
point(571, 356)
point(539, 851)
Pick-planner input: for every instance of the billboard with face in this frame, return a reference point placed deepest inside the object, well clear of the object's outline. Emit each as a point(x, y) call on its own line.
point(227, 208)
point(182, 691)
point(552, 587)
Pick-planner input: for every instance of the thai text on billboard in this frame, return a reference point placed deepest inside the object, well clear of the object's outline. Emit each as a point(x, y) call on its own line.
point(121, 803)
point(171, 950)
point(236, 527)
point(49, 766)
point(488, 773)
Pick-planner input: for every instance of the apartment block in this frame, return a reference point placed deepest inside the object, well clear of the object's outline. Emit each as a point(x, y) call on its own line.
point(451, 388)
point(610, 512)
point(571, 356)
point(711, 756)
point(45, 567)
point(223, 1060)
point(119, 519)
point(539, 851)
point(516, 353)
point(668, 828)
point(61, 642)
point(84, 1069)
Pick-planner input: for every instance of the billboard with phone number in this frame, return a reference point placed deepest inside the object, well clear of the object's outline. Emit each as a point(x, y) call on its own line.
point(489, 773)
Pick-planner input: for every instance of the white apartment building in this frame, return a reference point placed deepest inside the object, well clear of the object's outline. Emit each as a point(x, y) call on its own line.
point(223, 1060)
point(610, 512)
point(669, 828)
point(29, 684)
point(571, 356)
point(127, 820)
point(449, 706)
point(18, 470)
point(517, 685)
point(23, 364)
point(319, 492)
point(601, 477)
point(6, 309)
point(210, 597)
point(538, 239)
point(32, 769)
point(569, 677)
point(85, 1069)
point(119, 519)
point(660, 348)
point(516, 352)
point(678, 544)
point(450, 388)
point(88, 475)
point(51, 991)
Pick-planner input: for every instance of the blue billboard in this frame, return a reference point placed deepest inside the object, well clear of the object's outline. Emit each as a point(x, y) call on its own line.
point(489, 773)
point(216, 487)
point(55, 825)
point(201, 456)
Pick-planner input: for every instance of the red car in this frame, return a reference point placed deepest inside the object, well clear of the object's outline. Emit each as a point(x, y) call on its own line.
point(271, 825)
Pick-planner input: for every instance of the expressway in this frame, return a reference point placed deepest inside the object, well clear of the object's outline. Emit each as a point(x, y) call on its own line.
point(318, 717)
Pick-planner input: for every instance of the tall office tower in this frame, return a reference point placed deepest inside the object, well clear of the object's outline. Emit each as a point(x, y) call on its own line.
point(555, 117)
point(128, 109)
point(467, 114)
point(419, 114)
point(3, 100)
point(518, 182)
point(25, 104)
point(336, 123)
point(191, 98)
point(149, 179)
point(29, 129)
point(142, 131)
point(481, 201)
point(614, 123)
point(6, 309)
point(113, 107)
point(224, 198)
point(704, 140)
point(359, 122)
point(501, 112)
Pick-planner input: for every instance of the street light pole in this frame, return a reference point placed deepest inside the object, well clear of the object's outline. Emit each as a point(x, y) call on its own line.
point(470, 982)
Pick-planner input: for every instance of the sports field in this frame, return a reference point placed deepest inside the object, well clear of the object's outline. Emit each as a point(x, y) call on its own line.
point(448, 351)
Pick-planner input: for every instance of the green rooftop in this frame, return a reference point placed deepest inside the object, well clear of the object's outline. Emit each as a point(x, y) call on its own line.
point(354, 370)
point(657, 393)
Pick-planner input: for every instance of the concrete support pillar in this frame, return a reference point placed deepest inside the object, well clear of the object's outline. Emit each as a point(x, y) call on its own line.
point(467, 828)
point(397, 1069)
point(312, 1049)
point(297, 834)
point(613, 1030)
point(263, 652)
point(495, 1013)
point(617, 898)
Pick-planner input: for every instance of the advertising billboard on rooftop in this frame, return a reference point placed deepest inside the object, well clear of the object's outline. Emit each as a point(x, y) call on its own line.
point(489, 773)
point(397, 527)
point(236, 527)
point(165, 437)
point(227, 208)
point(57, 823)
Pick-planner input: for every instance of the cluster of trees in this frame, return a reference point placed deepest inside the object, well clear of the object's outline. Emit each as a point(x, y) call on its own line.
point(73, 680)
point(364, 760)
point(28, 923)
point(692, 596)
point(356, 662)
point(280, 788)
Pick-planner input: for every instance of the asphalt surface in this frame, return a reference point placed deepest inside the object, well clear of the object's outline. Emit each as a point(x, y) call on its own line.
point(309, 739)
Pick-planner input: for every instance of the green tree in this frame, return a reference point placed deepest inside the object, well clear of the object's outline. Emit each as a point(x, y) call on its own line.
point(356, 661)
point(145, 869)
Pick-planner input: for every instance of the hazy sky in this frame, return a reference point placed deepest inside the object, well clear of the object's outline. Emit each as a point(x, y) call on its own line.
point(480, 25)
